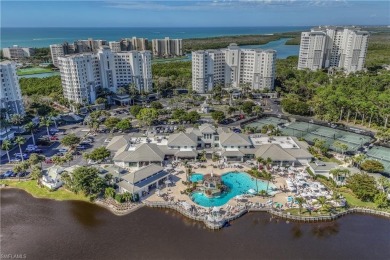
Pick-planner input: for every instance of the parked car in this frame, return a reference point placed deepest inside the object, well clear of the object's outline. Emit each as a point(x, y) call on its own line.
point(9, 173)
point(54, 130)
point(81, 147)
point(19, 155)
point(48, 160)
point(29, 150)
point(62, 150)
point(15, 160)
point(23, 174)
point(107, 140)
point(53, 138)
point(32, 146)
point(87, 141)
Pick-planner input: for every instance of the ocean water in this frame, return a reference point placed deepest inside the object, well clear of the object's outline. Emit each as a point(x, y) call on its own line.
point(43, 37)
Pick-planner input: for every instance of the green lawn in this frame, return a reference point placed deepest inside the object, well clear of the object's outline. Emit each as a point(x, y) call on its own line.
point(331, 159)
point(162, 60)
point(38, 192)
point(353, 201)
point(30, 71)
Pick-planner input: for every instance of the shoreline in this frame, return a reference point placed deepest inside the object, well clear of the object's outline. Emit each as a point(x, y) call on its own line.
point(217, 224)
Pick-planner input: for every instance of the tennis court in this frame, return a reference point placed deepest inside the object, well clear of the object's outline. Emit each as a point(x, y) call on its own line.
point(379, 152)
point(301, 126)
point(267, 121)
point(310, 132)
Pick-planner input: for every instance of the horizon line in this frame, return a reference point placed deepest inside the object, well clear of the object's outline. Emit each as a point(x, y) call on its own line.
point(243, 26)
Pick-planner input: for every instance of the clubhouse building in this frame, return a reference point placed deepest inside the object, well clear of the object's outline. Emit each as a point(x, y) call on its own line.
point(206, 141)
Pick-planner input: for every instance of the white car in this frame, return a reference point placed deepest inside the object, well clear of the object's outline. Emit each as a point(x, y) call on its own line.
point(31, 146)
point(30, 149)
point(107, 140)
point(63, 150)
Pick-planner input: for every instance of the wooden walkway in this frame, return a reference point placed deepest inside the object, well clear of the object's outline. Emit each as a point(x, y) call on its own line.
point(214, 225)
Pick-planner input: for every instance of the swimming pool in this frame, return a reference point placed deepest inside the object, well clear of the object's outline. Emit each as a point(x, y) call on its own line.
point(195, 177)
point(238, 183)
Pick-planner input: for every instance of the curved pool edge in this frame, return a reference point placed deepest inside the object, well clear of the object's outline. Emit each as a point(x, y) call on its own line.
point(271, 188)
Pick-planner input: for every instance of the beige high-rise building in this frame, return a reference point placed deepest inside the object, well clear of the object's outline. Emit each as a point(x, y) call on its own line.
point(167, 47)
point(115, 46)
point(15, 52)
point(232, 67)
point(134, 44)
point(333, 47)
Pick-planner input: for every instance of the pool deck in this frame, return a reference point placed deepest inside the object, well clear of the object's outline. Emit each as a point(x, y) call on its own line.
point(174, 190)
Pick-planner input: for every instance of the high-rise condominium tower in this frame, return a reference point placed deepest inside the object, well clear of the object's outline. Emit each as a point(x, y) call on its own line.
point(167, 47)
point(83, 74)
point(337, 47)
point(232, 67)
point(10, 94)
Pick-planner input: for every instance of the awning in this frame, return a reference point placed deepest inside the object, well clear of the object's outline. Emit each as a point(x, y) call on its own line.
point(186, 154)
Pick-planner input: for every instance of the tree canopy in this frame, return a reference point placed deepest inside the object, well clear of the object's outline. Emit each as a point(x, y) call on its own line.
point(99, 154)
point(70, 140)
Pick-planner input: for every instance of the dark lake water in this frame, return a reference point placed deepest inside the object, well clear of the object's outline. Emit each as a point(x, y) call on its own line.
point(45, 229)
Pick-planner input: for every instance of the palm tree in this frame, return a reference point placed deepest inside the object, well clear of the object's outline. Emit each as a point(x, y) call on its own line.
point(30, 128)
point(17, 119)
point(268, 177)
point(7, 145)
point(259, 160)
point(300, 202)
point(86, 157)
point(109, 192)
point(268, 161)
point(20, 141)
point(263, 193)
point(68, 157)
point(127, 196)
point(108, 178)
point(5, 124)
point(181, 128)
point(359, 159)
point(58, 160)
point(35, 159)
point(257, 175)
point(36, 173)
point(46, 122)
point(322, 201)
point(132, 92)
point(52, 116)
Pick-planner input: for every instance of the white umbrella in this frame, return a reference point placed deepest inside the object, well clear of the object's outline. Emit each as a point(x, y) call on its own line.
point(251, 191)
point(238, 197)
point(186, 205)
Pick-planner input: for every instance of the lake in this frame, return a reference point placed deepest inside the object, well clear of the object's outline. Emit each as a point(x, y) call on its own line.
point(46, 229)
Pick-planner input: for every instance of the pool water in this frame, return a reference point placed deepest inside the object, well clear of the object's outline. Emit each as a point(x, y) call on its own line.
point(196, 177)
point(238, 183)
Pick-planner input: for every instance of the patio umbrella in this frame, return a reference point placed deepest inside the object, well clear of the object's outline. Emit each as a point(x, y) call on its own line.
point(215, 209)
point(186, 205)
point(251, 191)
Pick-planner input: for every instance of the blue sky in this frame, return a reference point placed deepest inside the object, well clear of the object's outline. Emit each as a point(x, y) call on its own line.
point(122, 13)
